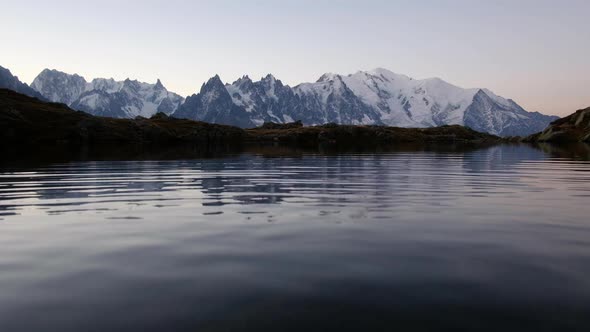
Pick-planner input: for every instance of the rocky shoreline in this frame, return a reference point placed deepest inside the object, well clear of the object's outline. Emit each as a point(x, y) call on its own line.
point(349, 135)
point(26, 121)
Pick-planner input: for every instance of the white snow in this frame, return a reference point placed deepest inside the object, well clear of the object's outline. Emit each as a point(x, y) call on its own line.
point(92, 101)
point(103, 84)
point(327, 85)
point(271, 92)
point(388, 92)
point(240, 98)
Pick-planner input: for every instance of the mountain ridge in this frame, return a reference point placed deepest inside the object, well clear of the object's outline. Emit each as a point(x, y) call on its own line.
point(106, 97)
point(11, 82)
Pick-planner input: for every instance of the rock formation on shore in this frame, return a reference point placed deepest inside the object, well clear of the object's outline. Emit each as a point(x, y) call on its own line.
point(572, 128)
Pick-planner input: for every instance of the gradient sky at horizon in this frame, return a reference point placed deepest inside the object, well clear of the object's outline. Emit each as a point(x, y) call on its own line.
point(535, 52)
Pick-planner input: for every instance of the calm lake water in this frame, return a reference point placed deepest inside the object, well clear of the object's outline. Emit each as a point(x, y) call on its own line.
point(496, 238)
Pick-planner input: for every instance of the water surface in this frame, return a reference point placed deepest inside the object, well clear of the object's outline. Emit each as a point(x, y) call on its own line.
point(496, 238)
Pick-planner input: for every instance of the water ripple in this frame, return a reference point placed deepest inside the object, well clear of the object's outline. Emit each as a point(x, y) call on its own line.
point(456, 239)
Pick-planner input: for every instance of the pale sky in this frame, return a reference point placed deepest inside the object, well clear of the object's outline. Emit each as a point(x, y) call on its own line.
point(534, 51)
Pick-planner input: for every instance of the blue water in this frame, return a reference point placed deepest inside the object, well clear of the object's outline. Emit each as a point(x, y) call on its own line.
point(489, 239)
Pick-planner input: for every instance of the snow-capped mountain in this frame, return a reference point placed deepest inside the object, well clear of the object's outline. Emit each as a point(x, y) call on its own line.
point(215, 105)
point(106, 97)
point(11, 82)
point(265, 101)
point(378, 97)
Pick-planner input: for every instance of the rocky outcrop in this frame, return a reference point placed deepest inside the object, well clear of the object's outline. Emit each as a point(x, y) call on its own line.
point(349, 135)
point(573, 128)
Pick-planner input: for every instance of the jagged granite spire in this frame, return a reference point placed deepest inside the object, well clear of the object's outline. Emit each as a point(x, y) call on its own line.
point(214, 104)
point(159, 85)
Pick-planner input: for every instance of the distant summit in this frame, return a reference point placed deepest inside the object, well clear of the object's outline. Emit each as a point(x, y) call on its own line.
point(215, 105)
point(107, 97)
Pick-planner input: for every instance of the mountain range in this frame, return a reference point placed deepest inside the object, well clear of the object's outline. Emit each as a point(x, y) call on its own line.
point(106, 97)
point(377, 97)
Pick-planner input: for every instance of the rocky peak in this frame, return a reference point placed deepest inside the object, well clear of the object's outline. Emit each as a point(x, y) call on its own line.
point(270, 82)
point(55, 72)
point(132, 86)
point(58, 86)
point(243, 83)
point(329, 77)
point(244, 78)
point(213, 84)
point(481, 94)
point(7, 80)
point(159, 85)
point(269, 78)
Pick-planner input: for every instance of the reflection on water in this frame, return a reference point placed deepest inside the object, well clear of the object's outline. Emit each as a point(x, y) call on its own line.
point(492, 238)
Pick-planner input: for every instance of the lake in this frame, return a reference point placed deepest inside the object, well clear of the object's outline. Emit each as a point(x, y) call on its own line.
point(454, 239)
